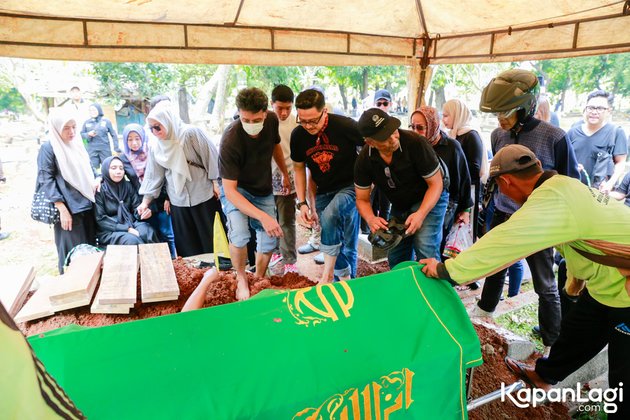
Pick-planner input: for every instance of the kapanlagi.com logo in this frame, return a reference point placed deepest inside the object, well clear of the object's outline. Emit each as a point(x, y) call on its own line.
point(526, 397)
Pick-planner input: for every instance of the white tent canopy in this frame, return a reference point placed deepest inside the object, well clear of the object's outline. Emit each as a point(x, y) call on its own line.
point(318, 32)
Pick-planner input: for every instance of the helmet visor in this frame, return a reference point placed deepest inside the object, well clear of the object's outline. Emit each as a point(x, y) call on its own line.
point(506, 114)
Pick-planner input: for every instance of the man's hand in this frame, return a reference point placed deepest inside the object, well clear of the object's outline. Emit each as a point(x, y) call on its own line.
point(286, 185)
point(605, 187)
point(306, 217)
point(463, 217)
point(430, 269)
point(413, 223)
point(271, 226)
point(376, 223)
point(167, 206)
point(133, 231)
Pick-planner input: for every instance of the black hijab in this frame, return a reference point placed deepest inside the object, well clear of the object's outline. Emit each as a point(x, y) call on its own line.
point(117, 192)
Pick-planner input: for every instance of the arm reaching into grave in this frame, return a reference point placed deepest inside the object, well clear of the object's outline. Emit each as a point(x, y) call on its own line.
point(198, 296)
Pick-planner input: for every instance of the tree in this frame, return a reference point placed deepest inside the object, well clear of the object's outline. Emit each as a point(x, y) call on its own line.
point(143, 80)
point(11, 99)
point(18, 74)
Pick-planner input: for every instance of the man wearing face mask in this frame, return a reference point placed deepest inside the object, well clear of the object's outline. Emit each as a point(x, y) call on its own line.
point(247, 146)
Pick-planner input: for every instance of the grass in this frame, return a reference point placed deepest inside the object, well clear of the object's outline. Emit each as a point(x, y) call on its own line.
point(521, 322)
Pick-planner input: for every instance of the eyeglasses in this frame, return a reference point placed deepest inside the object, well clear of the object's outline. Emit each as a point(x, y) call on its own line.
point(505, 114)
point(382, 103)
point(314, 122)
point(390, 180)
point(417, 127)
point(598, 109)
point(155, 128)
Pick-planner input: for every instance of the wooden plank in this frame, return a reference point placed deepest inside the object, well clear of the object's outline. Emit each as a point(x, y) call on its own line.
point(119, 282)
point(76, 287)
point(38, 306)
point(112, 308)
point(15, 283)
point(160, 299)
point(158, 281)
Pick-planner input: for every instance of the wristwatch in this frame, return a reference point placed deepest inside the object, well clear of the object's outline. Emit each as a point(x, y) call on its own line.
point(298, 205)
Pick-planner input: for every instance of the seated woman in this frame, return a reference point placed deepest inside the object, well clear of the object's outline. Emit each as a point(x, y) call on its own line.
point(134, 160)
point(117, 223)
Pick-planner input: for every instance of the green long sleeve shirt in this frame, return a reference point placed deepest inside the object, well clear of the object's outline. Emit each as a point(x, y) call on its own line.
point(564, 213)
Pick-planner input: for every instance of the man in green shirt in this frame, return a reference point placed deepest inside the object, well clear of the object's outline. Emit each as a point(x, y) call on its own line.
point(592, 232)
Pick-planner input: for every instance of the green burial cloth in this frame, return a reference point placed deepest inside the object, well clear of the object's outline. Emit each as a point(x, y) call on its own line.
point(394, 345)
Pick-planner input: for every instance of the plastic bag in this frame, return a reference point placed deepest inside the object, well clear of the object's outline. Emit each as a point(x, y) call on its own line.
point(457, 240)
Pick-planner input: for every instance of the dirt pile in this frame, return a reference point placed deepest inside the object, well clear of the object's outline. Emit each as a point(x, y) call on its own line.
point(489, 376)
point(219, 293)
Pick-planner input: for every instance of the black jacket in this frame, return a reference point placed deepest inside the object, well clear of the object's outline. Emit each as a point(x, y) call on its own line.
point(55, 188)
point(453, 156)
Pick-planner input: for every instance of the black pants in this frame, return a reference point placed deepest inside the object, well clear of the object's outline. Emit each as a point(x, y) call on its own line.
point(83, 232)
point(541, 266)
point(588, 327)
point(147, 236)
point(194, 226)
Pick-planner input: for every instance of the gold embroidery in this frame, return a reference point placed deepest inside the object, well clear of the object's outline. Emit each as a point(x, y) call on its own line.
point(377, 400)
point(314, 305)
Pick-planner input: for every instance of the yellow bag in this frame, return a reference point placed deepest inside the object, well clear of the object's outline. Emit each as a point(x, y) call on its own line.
point(220, 241)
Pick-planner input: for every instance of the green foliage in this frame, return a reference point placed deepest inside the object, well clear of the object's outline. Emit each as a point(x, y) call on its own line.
point(267, 77)
point(521, 322)
point(584, 74)
point(133, 79)
point(11, 99)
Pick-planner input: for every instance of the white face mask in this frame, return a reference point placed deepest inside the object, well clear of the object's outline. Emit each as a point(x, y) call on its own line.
point(253, 129)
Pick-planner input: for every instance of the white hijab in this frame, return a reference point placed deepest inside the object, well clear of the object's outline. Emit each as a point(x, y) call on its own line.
point(461, 117)
point(72, 158)
point(169, 153)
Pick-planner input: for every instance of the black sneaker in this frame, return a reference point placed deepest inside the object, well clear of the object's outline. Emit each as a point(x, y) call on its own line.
point(536, 330)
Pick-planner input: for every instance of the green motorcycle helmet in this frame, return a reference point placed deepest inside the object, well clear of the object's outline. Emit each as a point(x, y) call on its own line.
point(511, 90)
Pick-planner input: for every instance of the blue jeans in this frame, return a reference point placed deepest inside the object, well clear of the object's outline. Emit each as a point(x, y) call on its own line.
point(425, 243)
point(339, 219)
point(515, 276)
point(161, 223)
point(238, 223)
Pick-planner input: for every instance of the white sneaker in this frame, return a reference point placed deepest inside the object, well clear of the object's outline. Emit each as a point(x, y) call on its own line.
point(477, 312)
point(275, 259)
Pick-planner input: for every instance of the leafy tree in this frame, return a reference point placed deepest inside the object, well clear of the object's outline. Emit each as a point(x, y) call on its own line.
point(11, 99)
point(133, 79)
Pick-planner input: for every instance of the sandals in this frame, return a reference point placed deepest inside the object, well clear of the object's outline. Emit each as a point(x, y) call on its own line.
point(518, 369)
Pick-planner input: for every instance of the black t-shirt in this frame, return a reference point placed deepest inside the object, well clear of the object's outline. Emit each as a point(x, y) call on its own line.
point(414, 161)
point(330, 157)
point(246, 159)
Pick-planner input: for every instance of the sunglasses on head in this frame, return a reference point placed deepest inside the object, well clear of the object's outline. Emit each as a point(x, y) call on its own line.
point(382, 103)
point(155, 128)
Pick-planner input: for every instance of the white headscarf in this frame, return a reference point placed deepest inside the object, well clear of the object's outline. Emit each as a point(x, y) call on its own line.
point(169, 153)
point(461, 117)
point(72, 158)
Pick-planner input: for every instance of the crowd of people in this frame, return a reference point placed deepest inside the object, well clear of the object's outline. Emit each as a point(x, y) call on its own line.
point(304, 163)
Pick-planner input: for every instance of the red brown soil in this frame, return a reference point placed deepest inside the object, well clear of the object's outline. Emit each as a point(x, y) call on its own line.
point(365, 268)
point(489, 376)
point(219, 293)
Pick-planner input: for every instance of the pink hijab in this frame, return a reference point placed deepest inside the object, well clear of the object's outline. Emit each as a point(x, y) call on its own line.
point(433, 121)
